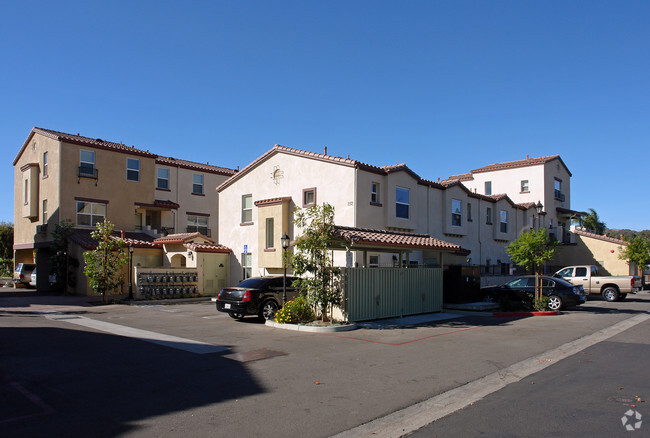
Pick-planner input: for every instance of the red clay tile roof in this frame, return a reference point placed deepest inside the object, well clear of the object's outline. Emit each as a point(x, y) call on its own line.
point(394, 239)
point(599, 237)
point(179, 238)
point(175, 162)
point(457, 178)
point(207, 247)
point(272, 201)
point(82, 237)
point(520, 163)
point(159, 203)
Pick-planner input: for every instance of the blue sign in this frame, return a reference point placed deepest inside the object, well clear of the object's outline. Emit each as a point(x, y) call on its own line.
point(245, 249)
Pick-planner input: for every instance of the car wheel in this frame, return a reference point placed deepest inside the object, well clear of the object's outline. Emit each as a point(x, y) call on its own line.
point(610, 294)
point(489, 298)
point(268, 309)
point(554, 302)
point(622, 297)
point(234, 315)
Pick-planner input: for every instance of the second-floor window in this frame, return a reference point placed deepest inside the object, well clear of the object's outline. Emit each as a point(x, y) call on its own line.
point(488, 216)
point(503, 221)
point(374, 193)
point(456, 212)
point(488, 187)
point(86, 163)
point(309, 197)
point(132, 169)
point(197, 184)
point(469, 212)
point(524, 186)
point(402, 203)
point(90, 213)
point(162, 180)
point(45, 164)
point(247, 208)
point(558, 189)
point(197, 224)
point(44, 211)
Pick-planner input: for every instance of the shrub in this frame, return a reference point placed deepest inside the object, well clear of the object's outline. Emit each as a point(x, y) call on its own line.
point(295, 311)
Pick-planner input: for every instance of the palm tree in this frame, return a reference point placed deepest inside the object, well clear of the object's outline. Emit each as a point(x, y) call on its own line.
point(592, 222)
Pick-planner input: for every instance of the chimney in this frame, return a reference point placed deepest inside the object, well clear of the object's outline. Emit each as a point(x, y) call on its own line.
point(122, 234)
point(438, 179)
point(325, 148)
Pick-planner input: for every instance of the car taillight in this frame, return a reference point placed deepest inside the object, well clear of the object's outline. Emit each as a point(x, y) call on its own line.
point(22, 276)
point(219, 296)
point(247, 296)
point(632, 281)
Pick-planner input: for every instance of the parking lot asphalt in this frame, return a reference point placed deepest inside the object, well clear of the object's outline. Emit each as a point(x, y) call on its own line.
point(310, 383)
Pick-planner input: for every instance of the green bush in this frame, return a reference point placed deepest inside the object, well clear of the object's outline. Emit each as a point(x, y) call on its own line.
point(295, 311)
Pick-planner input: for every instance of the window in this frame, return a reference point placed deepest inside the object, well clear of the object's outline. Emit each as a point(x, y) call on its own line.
point(90, 213)
point(469, 212)
point(402, 203)
point(309, 197)
point(373, 261)
point(162, 181)
point(503, 221)
point(44, 211)
point(197, 184)
point(456, 213)
point(86, 163)
point(44, 164)
point(197, 224)
point(581, 272)
point(374, 193)
point(247, 208)
point(269, 233)
point(488, 187)
point(246, 265)
point(132, 169)
point(138, 221)
point(524, 186)
point(558, 190)
point(26, 192)
point(488, 216)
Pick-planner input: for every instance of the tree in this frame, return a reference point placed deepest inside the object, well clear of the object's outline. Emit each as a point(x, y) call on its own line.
point(63, 265)
point(312, 261)
point(6, 240)
point(104, 264)
point(531, 250)
point(637, 251)
point(592, 222)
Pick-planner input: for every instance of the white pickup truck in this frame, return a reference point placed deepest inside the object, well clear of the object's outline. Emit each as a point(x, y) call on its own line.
point(612, 288)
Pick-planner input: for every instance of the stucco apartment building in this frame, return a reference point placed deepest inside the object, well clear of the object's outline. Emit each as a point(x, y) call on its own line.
point(392, 202)
point(66, 177)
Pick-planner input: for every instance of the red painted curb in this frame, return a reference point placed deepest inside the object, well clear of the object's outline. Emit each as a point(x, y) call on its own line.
point(551, 313)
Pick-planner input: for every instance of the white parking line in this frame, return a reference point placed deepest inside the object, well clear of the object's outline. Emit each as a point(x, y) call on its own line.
point(184, 344)
point(421, 414)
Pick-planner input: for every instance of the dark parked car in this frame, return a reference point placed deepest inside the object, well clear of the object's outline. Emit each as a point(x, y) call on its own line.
point(561, 293)
point(261, 296)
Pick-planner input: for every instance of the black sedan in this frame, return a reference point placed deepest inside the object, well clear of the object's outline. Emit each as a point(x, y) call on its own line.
point(261, 296)
point(560, 293)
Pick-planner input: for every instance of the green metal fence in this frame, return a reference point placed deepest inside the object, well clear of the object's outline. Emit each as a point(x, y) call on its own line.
point(373, 293)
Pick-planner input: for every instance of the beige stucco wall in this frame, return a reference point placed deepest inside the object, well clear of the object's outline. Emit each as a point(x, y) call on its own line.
point(593, 251)
point(334, 184)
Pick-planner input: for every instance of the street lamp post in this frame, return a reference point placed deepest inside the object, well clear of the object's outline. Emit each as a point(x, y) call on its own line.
point(538, 279)
point(285, 245)
point(131, 271)
point(538, 208)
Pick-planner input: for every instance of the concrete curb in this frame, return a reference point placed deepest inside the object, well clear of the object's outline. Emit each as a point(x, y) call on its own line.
point(312, 328)
point(519, 314)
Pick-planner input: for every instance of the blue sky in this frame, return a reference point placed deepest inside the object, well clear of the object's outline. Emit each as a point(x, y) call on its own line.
point(444, 87)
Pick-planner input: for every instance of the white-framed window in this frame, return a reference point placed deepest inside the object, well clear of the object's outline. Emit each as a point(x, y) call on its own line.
point(132, 169)
point(373, 261)
point(374, 192)
point(456, 213)
point(524, 186)
point(90, 213)
point(45, 164)
point(270, 244)
point(44, 211)
point(162, 178)
point(402, 202)
point(246, 265)
point(197, 224)
point(247, 208)
point(488, 216)
point(503, 221)
point(86, 163)
point(488, 187)
point(309, 197)
point(197, 184)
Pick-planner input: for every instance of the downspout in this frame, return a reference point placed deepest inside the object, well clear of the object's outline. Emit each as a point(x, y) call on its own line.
point(355, 207)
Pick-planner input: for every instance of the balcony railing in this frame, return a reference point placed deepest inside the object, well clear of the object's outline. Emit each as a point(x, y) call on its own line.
point(559, 196)
point(87, 172)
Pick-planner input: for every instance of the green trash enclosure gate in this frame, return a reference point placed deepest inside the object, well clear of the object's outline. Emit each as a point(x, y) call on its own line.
point(374, 293)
